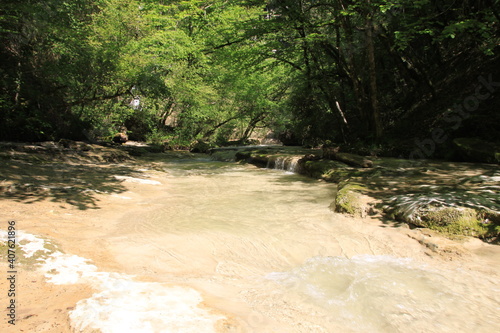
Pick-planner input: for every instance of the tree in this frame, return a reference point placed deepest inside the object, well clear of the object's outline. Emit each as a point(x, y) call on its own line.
point(340, 70)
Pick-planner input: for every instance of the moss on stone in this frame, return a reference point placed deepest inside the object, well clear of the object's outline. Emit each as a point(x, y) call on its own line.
point(454, 213)
point(326, 169)
point(349, 199)
point(462, 221)
point(338, 175)
point(259, 159)
point(243, 155)
point(455, 220)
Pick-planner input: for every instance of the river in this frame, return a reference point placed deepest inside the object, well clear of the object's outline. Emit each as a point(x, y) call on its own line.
point(207, 246)
point(264, 246)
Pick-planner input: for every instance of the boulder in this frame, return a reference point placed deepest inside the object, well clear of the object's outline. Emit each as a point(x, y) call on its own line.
point(259, 159)
point(329, 152)
point(349, 199)
point(453, 212)
point(120, 138)
point(331, 171)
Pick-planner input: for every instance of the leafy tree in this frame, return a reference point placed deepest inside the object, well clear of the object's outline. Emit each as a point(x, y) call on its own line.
point(341, 70)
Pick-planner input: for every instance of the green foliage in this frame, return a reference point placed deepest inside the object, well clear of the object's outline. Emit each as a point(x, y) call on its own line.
point(329, 70)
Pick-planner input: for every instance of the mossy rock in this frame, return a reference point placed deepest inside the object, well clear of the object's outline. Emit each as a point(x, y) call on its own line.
point(325, 169)
point(452, 213)
point(349, 199)
point(243, 155)
point(119, 138)
point(477, 150)
point(259, 159)
point(454, 220)
point(338, 175)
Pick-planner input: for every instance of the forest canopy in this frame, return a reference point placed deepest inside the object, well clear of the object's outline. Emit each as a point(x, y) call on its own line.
point(370, 71)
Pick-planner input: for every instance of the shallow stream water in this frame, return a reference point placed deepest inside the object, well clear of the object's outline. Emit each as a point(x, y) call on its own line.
point(263, 248)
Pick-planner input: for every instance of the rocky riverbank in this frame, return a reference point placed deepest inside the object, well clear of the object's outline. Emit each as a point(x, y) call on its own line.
point(96, 206)
point(458, 199)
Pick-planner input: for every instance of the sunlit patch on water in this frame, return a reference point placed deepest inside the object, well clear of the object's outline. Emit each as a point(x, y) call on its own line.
point(388, 294)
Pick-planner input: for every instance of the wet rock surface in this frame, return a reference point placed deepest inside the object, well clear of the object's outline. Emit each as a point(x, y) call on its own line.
point(159, 218)
point(454, 198)
point(450, 197)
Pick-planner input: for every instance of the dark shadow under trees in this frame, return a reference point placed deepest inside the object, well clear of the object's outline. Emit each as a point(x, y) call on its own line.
point(32, 178)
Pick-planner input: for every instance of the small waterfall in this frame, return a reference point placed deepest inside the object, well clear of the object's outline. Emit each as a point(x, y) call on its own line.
point(285, 163)
point(293, 166)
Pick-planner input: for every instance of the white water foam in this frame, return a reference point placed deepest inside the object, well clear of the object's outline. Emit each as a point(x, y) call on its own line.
point(121, 304)
point(130, 306)
point(30, 244)
point(386, 294)
point(138, 180)
point(63, 268)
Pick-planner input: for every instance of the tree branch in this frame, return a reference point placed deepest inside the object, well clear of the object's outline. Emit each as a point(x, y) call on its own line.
point(100, 98)
point(287, 62)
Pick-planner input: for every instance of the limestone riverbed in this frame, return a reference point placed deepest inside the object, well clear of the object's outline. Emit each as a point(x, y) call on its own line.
point(229, 248)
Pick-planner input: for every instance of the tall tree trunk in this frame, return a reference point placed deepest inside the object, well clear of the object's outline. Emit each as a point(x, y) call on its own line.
point(354, 70)
point(372, 71)
point(18, 84)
